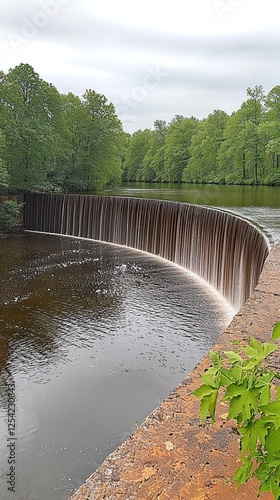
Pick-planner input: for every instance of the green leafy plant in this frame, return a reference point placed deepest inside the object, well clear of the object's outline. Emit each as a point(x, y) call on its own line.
point(9, 214)
point(254, 402)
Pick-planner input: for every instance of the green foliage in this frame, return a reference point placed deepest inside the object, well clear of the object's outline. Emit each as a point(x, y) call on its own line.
point(50, 141)
point(249, 387)
point(177, 148)
point(9, 214)
point(53, 141)
point(243, 148)
point(30, 114)
point(137, 150)
point(4, 177)
point(204, 149)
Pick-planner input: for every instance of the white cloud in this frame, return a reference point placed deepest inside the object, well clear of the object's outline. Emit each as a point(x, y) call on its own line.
point(153, 59)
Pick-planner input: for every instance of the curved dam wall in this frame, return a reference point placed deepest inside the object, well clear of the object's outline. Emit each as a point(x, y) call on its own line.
point(224, 250)
point(171, 456)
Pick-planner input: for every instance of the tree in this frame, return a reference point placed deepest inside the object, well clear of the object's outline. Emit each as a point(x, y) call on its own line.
point(30, 123)
point(204, 149)
point(70, 173)
point(154, 158)
point(242, 154)
point(9, 214)
point(4, 177)
point(54, 141)
point(123, 154)
point(231, 156)
point(177, 147)
point(272, 104)
point(272, 126)
point(137, 150)
point(253, 110)
point(102, 141)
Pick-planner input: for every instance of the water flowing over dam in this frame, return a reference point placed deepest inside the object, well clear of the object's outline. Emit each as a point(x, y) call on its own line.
point(224, 250)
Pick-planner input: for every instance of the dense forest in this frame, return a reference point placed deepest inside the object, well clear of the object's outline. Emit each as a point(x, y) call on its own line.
point(52, 141)
point(243, 148)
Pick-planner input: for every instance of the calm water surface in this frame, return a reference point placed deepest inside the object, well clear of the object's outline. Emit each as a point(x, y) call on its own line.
point(258, 204)
point(94, 336)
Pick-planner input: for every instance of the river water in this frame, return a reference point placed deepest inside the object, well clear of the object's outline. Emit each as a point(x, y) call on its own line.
point(258, 204)
point(93, 336)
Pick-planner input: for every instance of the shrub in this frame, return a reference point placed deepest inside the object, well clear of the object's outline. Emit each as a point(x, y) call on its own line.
point(249, 389)
point(9, 214)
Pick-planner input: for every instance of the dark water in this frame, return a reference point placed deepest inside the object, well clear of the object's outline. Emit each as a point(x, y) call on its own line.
point(204, 194)
point(258, 204)
point(224, 250)
point(94, 336)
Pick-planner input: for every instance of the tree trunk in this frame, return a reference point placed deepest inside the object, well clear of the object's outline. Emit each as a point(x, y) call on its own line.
point(243, 165)
point(256, 165)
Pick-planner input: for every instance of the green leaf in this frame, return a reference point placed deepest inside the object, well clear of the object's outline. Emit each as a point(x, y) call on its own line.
point(265, 395)
point(235, 390)
point(277, 423)
point(204, 408)
point(226, 377)
point(263, 472)
point(276, 331)
point(243, 406)
point(235, 342)
point(248, 389)
point(215, 357)
point(255, 344)
point(264, 379)
point(243, 473)
point(212, 404)
point(212, 380)
point(252, 353)
point(252, 434)
point(259, 351)
point(273, 441)
point(235, 408)
point(266, 486)
point(208, 406)
point(275, 490)
point(272, 408)
point(271, 485)
point(234, 357)
point(237, 373)
point(268, 348)
point(245, 439)
point(260, 430)
point(203, 390)
point(252, 363)
point(213, 370)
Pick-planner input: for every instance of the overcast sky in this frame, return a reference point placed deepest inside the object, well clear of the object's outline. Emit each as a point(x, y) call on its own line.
point(152, 58)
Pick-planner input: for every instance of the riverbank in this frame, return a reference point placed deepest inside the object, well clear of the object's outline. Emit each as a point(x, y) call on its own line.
point(171, 456)
point(6, 233)
point(11, 216)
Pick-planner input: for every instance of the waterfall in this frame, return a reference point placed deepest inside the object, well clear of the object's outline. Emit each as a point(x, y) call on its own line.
point(225, 250)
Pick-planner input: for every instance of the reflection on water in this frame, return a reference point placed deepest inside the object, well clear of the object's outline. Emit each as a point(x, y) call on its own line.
point(267, 219)
point(258, 204)
point(94, 336)
point(203, 194)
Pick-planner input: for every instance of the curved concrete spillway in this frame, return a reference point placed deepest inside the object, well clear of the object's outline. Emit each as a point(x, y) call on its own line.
point(224, 250)
point(171, 456)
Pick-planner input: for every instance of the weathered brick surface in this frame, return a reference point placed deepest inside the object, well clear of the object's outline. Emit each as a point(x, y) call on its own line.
point(171, 456)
